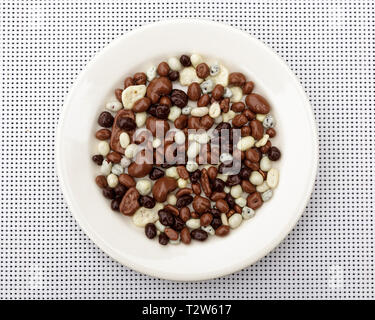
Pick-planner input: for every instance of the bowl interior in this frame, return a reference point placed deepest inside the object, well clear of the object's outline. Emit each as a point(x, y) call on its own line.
point(296, 138)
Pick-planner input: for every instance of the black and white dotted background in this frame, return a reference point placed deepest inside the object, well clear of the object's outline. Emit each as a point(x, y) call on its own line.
point(329, 45)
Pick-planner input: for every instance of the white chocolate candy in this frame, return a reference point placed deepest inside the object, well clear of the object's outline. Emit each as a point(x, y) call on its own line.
point(113, 105)
point(156, 143)
point(235, 220)
point(103, 148)
point(256, 178)
point(112, 180)
point(179, 137)
point(151, 73)
point(132, 94)
point(124, 140)
point(263, 187)
point(171, 199)
point(228, 115)
point(182, 183)
point(188, 76)
point(196, 59)
point(241, 202)
point(140, 119)
point(191, 166)
point(262, 141)
point(131, 150)
point(273, 178)
point(236, 191)
point(174, 113)
point(174, 64)
point(265, 164)
point(245, 143)
point(172, 173)
point(143, 186)
point(193, 150)
point(199, 112)
point(144, 215)
point(236, 94)
point(224, 219)
point(193, 223)
point(214, 110)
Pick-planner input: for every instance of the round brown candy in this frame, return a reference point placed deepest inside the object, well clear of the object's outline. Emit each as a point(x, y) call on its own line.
point(202, 70)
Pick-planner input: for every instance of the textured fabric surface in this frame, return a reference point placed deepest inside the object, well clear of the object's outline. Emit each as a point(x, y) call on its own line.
point(330, 46)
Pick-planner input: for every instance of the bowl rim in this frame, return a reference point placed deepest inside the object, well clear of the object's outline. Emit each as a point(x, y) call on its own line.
point(211, 274)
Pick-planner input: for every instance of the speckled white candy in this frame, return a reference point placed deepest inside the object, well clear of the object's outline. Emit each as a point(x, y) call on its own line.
point(214, 69)
point(131, 94)
point(207, 86)
point(247, 213)
point(117, 169)
point(269, 121)
point(209, 229)
point(125, 162)
point(267, 195)
point(186, 110)
point(221, 77)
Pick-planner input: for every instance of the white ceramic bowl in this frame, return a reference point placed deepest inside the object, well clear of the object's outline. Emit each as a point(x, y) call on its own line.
point(296, 137)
